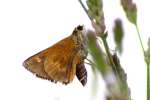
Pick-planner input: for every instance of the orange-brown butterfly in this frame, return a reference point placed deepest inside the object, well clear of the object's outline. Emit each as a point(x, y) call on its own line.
point(62, 61)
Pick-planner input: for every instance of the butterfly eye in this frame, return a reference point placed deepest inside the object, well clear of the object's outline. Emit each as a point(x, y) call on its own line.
point(80, 28)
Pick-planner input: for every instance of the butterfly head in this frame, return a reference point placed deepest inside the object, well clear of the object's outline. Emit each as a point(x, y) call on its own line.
point(80, 40)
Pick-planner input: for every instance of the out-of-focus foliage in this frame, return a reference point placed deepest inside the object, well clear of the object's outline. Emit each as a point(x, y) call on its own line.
point(107, 64)
point(122, 77)
point(96, 52)
point(130, 9)
point(131, 13)
point(96, 15)
point(95, 84)
point(121, 74)
point(118, 34)
point(118, 89)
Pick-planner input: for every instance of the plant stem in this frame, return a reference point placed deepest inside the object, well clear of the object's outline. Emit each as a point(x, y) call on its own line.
point(84, 8)
point(103, 38)
point(148, 81)
point(108, 54)
point(148, 65)
point(115, 71)
point(138, 33)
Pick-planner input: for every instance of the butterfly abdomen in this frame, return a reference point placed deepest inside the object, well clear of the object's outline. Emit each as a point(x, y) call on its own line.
point(81, 73)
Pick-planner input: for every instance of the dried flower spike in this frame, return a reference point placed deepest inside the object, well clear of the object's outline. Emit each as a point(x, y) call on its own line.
point(130, 9)
point(95, 11)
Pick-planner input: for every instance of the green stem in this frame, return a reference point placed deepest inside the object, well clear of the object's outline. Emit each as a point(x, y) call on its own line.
point(84, 8)
point(103, 38)
point(137, 29)
point(108, 54)
point(105, 44)
point(148, 65)
point(148, 81)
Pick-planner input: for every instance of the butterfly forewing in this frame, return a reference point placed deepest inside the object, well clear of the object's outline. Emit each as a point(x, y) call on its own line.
point(35, 64)
point(53, 63)
point(59, 62)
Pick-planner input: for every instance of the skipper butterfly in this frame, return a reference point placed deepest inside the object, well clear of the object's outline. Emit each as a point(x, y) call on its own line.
point(62, 61)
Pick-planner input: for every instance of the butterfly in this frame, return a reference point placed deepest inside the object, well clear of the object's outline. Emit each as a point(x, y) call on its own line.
point(62, 61)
